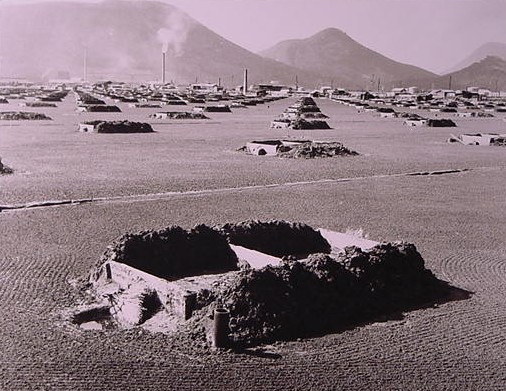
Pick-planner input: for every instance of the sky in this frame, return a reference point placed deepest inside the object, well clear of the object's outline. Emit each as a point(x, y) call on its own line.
point(432, 34)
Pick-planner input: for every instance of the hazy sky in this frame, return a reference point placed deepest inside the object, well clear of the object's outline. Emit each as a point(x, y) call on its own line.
point(432, 34)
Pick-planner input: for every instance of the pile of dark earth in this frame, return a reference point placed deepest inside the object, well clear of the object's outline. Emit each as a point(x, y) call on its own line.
point(312, 291)
point(314, 149)
point(441, 123)
point(120, 126)
point(182, 115)
point(21, 115)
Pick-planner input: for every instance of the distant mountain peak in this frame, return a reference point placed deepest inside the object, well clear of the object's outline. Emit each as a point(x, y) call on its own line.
point(330, 32)
point(489, 72)
point(331, 52)
point(496, 49)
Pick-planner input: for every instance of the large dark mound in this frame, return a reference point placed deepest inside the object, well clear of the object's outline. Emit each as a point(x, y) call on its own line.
point(321, 294)
point(87, 99)
point(174, 253)
point(218, 109)
point(180, 115)
point(313, 149)
point(302, 124)
point(40, 104)
point(441, 123)
point(277, 238)
point(120, 127)
point(21, 115)
point(102, 109)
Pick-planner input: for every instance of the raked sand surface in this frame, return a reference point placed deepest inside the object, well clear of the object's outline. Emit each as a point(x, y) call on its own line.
point(189, 173)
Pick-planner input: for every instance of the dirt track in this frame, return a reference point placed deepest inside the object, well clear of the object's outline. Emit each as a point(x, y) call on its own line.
point(456, 221)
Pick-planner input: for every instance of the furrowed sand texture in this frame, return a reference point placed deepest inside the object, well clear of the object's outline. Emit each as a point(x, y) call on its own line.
point(190, 174)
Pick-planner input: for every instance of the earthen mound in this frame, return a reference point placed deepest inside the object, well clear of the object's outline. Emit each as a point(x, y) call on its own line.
point(21, 115)
point(324, 294)
point(312, 149)
point(441, 123)
point(101, 109)
point(120, 127)
point(87, 99)
point(218, 109)
point(174, 252)
point(39, 104)
point(179, 115)
point(303, 285)
point(277, 238)
point(303, 124)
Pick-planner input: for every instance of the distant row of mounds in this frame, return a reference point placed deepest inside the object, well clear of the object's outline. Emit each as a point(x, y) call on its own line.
point(99, 109)
point(139, 95)
point(21, 115)
point(54, 96)
point(156, 97)
point(474, 114)
point(410, 119)
point(100, 126)
point(145, 105)
point(305, 149)
point(457, 105)
point(32, 93)
point(413, 119)
point(273, 280)
point(304, 114)
point(178, 115)
point(83, 98)
point(487, 139)
point(212, 109)
point(37, 104)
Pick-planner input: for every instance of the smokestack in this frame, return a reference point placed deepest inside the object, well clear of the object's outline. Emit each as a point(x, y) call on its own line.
point(245, 85)
point(163, 68)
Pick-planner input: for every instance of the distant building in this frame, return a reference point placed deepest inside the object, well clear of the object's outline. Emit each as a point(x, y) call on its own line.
point(443, 94)
point(272, 89)
point(205, 88)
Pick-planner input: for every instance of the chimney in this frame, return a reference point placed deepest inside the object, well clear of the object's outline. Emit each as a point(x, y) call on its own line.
point(163, 67)
point(245, 85)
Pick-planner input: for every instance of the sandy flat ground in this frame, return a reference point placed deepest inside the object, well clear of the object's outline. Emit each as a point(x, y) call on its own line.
point(192, 175)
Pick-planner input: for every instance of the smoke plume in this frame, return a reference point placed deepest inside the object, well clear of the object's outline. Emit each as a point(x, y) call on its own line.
point(173, 35)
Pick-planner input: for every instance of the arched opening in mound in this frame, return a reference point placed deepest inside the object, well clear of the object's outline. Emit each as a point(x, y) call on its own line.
point(93, 318)
point(150, 305)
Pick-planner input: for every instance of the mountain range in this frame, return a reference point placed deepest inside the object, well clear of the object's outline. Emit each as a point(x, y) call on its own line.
point(496, 49)
point(333, 53)
point(124, 40)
